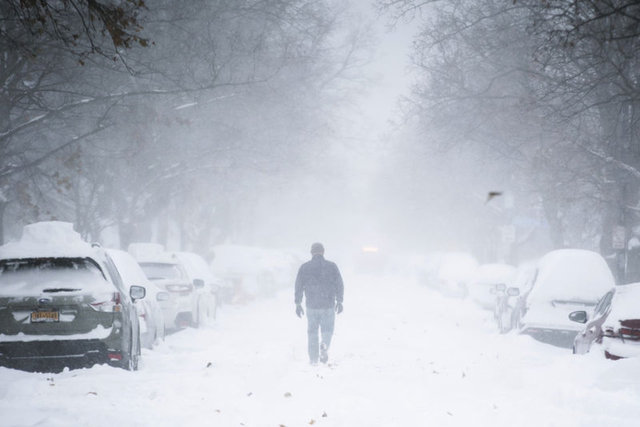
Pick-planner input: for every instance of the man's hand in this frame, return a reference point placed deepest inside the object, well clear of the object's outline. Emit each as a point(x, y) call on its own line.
point(299, 310)
point(339, 308)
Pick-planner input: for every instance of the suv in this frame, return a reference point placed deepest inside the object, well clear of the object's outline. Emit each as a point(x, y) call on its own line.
point(62, 300)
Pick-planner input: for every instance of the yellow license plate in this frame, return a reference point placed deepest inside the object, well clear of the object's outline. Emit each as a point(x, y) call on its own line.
point(45, 316)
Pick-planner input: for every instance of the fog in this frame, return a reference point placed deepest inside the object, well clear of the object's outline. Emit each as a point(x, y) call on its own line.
point(384, 123)
point(454, 158)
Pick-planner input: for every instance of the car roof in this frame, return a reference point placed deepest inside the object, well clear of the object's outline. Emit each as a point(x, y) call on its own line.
point(50, 239)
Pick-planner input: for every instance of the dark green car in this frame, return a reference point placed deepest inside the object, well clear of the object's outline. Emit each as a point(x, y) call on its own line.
point(67, 310)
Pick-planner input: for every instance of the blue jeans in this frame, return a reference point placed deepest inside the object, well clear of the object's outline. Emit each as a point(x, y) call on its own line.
point(323, 319)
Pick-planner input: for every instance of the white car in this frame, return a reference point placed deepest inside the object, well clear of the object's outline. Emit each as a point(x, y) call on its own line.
point(197, 270)
point(163, 269)
point(567, 280)
point(152, 324)
point(254, 272)
point(453, 273)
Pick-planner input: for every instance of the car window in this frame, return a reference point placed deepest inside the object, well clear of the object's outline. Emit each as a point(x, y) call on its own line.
point(159, 271)
point(49, 275)
point(115, 276)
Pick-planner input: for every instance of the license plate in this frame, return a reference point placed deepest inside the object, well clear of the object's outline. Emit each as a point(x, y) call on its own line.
point(45, 316)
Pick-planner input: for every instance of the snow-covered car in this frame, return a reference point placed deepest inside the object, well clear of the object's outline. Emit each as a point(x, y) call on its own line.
point(197, 270)
point(62, 303)
point(163, 269)
point(151, 317)
point(482, 286)
point(567, 280)
point(511, 303)
point(452, 272)
point(614, 324)
point(254, 272)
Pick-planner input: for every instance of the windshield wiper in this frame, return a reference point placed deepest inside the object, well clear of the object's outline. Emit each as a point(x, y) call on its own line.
point(53, 290)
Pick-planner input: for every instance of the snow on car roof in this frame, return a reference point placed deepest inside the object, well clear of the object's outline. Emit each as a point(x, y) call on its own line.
point(48, 239)
point(129, 269)
point(195, 266)
point(495, 273)
point(571, 275)
point(624, 304)
point(150, 252)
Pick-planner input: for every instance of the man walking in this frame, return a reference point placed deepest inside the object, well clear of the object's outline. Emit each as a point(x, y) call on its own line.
point(320, 282)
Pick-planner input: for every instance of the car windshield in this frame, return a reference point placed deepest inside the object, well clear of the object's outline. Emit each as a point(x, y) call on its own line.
point(24, 277)
point(160, 271)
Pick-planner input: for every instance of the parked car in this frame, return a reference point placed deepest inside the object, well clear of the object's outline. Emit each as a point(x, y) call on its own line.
point(451, 272)
point(254, 272)
point(151, 317)
point(482, 286)
point(614, 324)
point(63, 303)
point(163, 269)
point(198, 271)
point(567, 280)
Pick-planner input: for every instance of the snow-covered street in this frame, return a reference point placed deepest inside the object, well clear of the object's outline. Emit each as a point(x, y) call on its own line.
point(402, 355)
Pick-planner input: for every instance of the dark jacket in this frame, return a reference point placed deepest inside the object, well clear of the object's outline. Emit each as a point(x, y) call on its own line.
point(321, 283)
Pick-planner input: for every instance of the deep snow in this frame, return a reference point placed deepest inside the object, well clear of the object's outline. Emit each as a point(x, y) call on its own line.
point(402, 355)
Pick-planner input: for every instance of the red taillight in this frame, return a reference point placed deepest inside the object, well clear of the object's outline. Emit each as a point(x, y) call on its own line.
point(114, 356)
point(629, 334)
point(111, 305)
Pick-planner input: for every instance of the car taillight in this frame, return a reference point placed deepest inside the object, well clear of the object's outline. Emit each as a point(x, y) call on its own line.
point(629, 334)
point(111, 305)
point(114, 356)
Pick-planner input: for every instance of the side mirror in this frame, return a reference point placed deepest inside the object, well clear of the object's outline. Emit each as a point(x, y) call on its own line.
point(500, 287)
point(137, 292)
point(578, 316)
point(513, 292)
point(162, 296)
point(198, 283)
